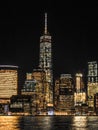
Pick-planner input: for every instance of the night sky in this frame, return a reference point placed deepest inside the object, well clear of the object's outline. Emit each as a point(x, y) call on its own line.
point(72, 25)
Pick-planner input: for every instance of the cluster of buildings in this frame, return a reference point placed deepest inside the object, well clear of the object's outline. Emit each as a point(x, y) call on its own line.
point(67, 95)
point(73, 95)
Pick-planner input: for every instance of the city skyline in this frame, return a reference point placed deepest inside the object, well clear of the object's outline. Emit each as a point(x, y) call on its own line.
point(73, 31)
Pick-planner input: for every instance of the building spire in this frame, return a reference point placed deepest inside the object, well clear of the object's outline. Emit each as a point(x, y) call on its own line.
point(45, 31)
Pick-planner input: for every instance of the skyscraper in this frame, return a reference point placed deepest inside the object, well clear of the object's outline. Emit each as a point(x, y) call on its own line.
point(92, 84)
point(8, 82)
point(79, 82)
point(45, 60)
point(64, 96)
point(92, 72)
point(79, 94)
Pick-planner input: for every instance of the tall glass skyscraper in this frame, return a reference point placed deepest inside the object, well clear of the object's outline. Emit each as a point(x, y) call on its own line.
point(45, 60)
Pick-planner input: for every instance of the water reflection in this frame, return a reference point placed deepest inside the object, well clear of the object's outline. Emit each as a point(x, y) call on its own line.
point(48, 123)
point(36, 123)
point(93, 122)
point(9, 123)
point(80, 123)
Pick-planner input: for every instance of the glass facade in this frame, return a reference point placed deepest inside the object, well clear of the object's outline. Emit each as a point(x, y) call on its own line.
point(45, 60)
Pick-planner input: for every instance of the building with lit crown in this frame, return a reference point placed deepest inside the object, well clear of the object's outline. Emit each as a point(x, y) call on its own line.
point(80, 93)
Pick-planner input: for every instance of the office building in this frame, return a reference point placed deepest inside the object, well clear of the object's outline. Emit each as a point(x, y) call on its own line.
point(92, 83)
point(45, 59)
point(8, 82)
point(42, 89)
point(80, 93)
point(64, 94)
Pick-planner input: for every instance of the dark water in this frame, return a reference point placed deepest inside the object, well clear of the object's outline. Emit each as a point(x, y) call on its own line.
point(48, 123)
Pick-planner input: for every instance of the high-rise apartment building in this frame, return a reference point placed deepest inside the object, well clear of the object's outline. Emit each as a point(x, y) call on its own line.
point(8, 82)
point(45, 61)
point(92, 83)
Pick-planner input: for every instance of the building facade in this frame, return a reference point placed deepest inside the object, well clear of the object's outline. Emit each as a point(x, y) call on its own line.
point(64, 94)
point(42, 89)
point(96, 103)
point(8, 82)
point(21, 105)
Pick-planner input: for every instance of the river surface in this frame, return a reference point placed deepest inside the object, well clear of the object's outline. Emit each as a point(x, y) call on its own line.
point(48, 122)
